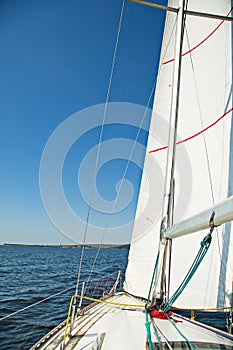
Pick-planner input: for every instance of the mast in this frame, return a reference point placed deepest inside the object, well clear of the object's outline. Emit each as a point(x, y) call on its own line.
point(171, 155)
point(202, 164)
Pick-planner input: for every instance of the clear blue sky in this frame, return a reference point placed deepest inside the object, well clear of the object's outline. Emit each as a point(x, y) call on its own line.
point(55, 60)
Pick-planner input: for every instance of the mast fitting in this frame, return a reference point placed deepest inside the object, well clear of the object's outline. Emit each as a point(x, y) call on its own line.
point(211, 222)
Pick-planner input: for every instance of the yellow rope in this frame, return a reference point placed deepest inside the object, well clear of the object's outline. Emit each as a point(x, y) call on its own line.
point(126, 304)
point(142, 306)
point(94, 300)
point(108, 302)
point(68, 318)
point(205, 309)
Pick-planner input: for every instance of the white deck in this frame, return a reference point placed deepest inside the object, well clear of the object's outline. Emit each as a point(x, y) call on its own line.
point(110, 327)
point(124, 327)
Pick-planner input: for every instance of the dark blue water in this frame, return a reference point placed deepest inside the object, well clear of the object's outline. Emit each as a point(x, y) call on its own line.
point(30, 274)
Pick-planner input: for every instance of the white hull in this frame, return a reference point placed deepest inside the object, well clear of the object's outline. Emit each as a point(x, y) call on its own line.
point(106, 326)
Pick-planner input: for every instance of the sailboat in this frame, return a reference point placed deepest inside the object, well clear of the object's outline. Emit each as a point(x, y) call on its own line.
point(182, 243)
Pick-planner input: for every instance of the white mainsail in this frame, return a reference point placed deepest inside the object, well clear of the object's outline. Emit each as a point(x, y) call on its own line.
point(203, 175)
point(202, 180)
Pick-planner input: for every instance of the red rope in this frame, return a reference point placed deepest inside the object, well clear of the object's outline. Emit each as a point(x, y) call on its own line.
point(162, 315)
point(195, 135)
point(199, 44)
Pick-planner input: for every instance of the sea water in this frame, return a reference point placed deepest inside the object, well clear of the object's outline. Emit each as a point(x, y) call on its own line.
point(30, 274)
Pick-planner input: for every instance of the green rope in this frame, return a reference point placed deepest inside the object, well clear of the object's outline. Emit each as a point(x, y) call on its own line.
point(147, 324)
point(152, 279)
point(181, 334)
point(200, 256)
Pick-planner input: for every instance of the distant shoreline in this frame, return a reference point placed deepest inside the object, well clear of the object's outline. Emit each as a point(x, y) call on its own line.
point(89, 246)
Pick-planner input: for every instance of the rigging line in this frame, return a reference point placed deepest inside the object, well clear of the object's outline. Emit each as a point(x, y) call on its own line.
point(158, 330)
point(156, 271)
point(204, 246)
point(224, 143)
point(207, 155)
point(152, 278)
point(181, 334)
point(172, 135)
point(159, 73)
point(105, 112)
point(100, 141)
point(34, 304)
point(226, 231)
point(41, 301)
point(105, 301)
point(126, 167)
point(224, 263)
point(130, 157)
point(148, 332)
point(124, 175)
point(202, 123)
point(201, 42)
point(169, 135)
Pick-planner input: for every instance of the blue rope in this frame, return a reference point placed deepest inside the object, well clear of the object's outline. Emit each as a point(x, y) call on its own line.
point(200, 256)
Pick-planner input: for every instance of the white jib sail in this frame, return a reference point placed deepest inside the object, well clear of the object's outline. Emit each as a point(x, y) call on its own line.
point(204, 164)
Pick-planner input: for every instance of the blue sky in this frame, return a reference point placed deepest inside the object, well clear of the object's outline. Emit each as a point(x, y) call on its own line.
point(55, 61)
